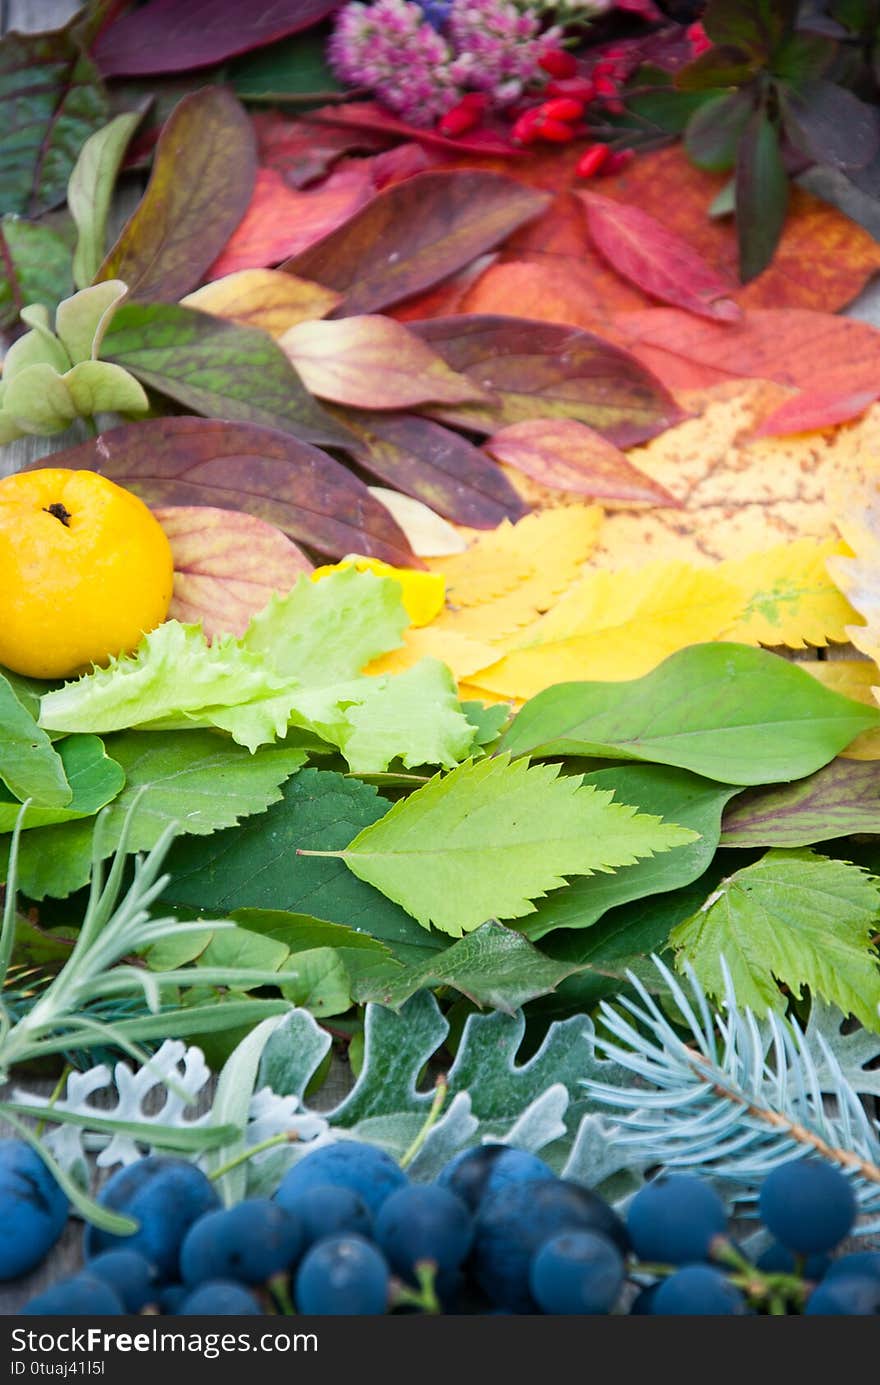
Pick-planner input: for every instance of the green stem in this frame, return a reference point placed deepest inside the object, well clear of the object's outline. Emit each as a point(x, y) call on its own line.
point(247, 1154)
point(56, 1093)
point(440, 1095)
point(279, 1287)
point(425, 1297)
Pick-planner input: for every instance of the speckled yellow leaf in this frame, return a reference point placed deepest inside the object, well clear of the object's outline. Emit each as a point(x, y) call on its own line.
point(615, 625)
point(739, 494)
point(855, 678)
point(789, 596)
point(264, 298)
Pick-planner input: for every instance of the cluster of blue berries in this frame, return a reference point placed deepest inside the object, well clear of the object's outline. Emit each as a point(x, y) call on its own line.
point(496, 1232)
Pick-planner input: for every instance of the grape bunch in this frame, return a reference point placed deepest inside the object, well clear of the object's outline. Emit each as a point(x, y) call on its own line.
point(347, 1232)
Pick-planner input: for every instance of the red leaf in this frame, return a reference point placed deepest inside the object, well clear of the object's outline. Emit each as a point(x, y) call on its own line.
point(366, 115)
point(414, 234)
point(302, 150)
point(656, 260)
point(568, 456)
point(812, 410)
point(226, 565)
point(282, 221)
point(242, 466)
point(175, 35)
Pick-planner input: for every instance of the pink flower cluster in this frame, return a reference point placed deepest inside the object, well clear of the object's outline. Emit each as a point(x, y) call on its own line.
point(491, 46)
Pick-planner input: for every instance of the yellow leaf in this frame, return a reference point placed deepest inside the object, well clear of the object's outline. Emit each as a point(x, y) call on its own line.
point(462, 655)
point(739, 494)
point(423, 592)
point(788, 596)
point(858, 576)
point(264, 298)
point(855, 678)
point(615, 625)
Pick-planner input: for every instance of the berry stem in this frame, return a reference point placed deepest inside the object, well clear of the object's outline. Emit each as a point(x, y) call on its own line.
point(247, 1154)
point(440, 1094)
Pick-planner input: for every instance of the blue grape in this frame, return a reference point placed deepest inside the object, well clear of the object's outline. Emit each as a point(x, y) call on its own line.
point(80, 1296)
point(33, 1209)
point(513, 1222)
point(219, 1298)
point(675, 1219)
point(172, 1296)
point(577, 1272)
point(808, 1205)
point(328, 1211)
point(475, 1172)
point(247, 1243)
point(424, 1223)
point(851, 1295)
point(697, 1291)
point(165, 1196)
point(129, 1275)
point(860, 1264)
point(342, 1275)
point(778, 1259)
point(362, 1168)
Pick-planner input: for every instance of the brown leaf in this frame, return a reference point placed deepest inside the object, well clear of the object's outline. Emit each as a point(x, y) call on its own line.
point(281, 221)
point(568, 456)
point(226, 565)
point(657, 261)
point(242, 466)
point(538, 369)
point(414, 234)
point(373, 362)
point(368, 116)
point(202, 179)
point(263, 298)
point(434, 465)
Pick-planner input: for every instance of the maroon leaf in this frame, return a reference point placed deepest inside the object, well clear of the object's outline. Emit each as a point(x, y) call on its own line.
point(656, 260)
point(199, 190)
point(434, 465)
point(302, 150)
point(366, 115)
point(173, 35)
point(544, 370)
point(414, 234)
point(235, 466)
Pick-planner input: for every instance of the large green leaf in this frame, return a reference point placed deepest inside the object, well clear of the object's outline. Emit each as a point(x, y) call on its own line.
point(94, 779)
point(485, 840)
point(29, 765)
point(726, 711)
point(793, 917)
point(217, 368)
point(52, 99)
point(257, 865)
point(838, 800)
point(192, 778)
point(672, 794)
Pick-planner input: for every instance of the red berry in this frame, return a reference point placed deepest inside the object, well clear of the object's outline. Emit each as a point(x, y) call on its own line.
point(616, 163)
point(604, 86)
point(524, 130)
point(577, 88)
point(556, 131)
point(459, 120)
point(562, 108)
point(475, 100)
point(558, 63)
point(698, 38)
point(592, 160)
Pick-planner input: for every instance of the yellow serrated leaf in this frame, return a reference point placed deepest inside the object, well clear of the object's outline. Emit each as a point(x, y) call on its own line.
point(615, 625)
point(536, 558)
point(789, 596)
point(855, 678)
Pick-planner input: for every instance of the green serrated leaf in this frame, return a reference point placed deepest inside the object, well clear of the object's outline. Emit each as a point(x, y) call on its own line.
point(94, 779)
point(672, 794)
point(793, 917)
point(726, 711)
point(513, 832)
point(257, 865)
point(29, 764)
point(192, 778)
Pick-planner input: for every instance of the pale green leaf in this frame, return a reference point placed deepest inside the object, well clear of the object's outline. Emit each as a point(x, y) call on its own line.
point(90, 189)
point(793, 917)
point(97, 387)
point(82, 319)
point(318, 980)
point(487, 839)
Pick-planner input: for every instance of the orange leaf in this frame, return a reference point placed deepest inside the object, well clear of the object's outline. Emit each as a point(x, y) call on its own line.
point(226, 565)
point(569, 456)
point(264, 298)
point(654, 259)
point(373, 362)
point(281, 221)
